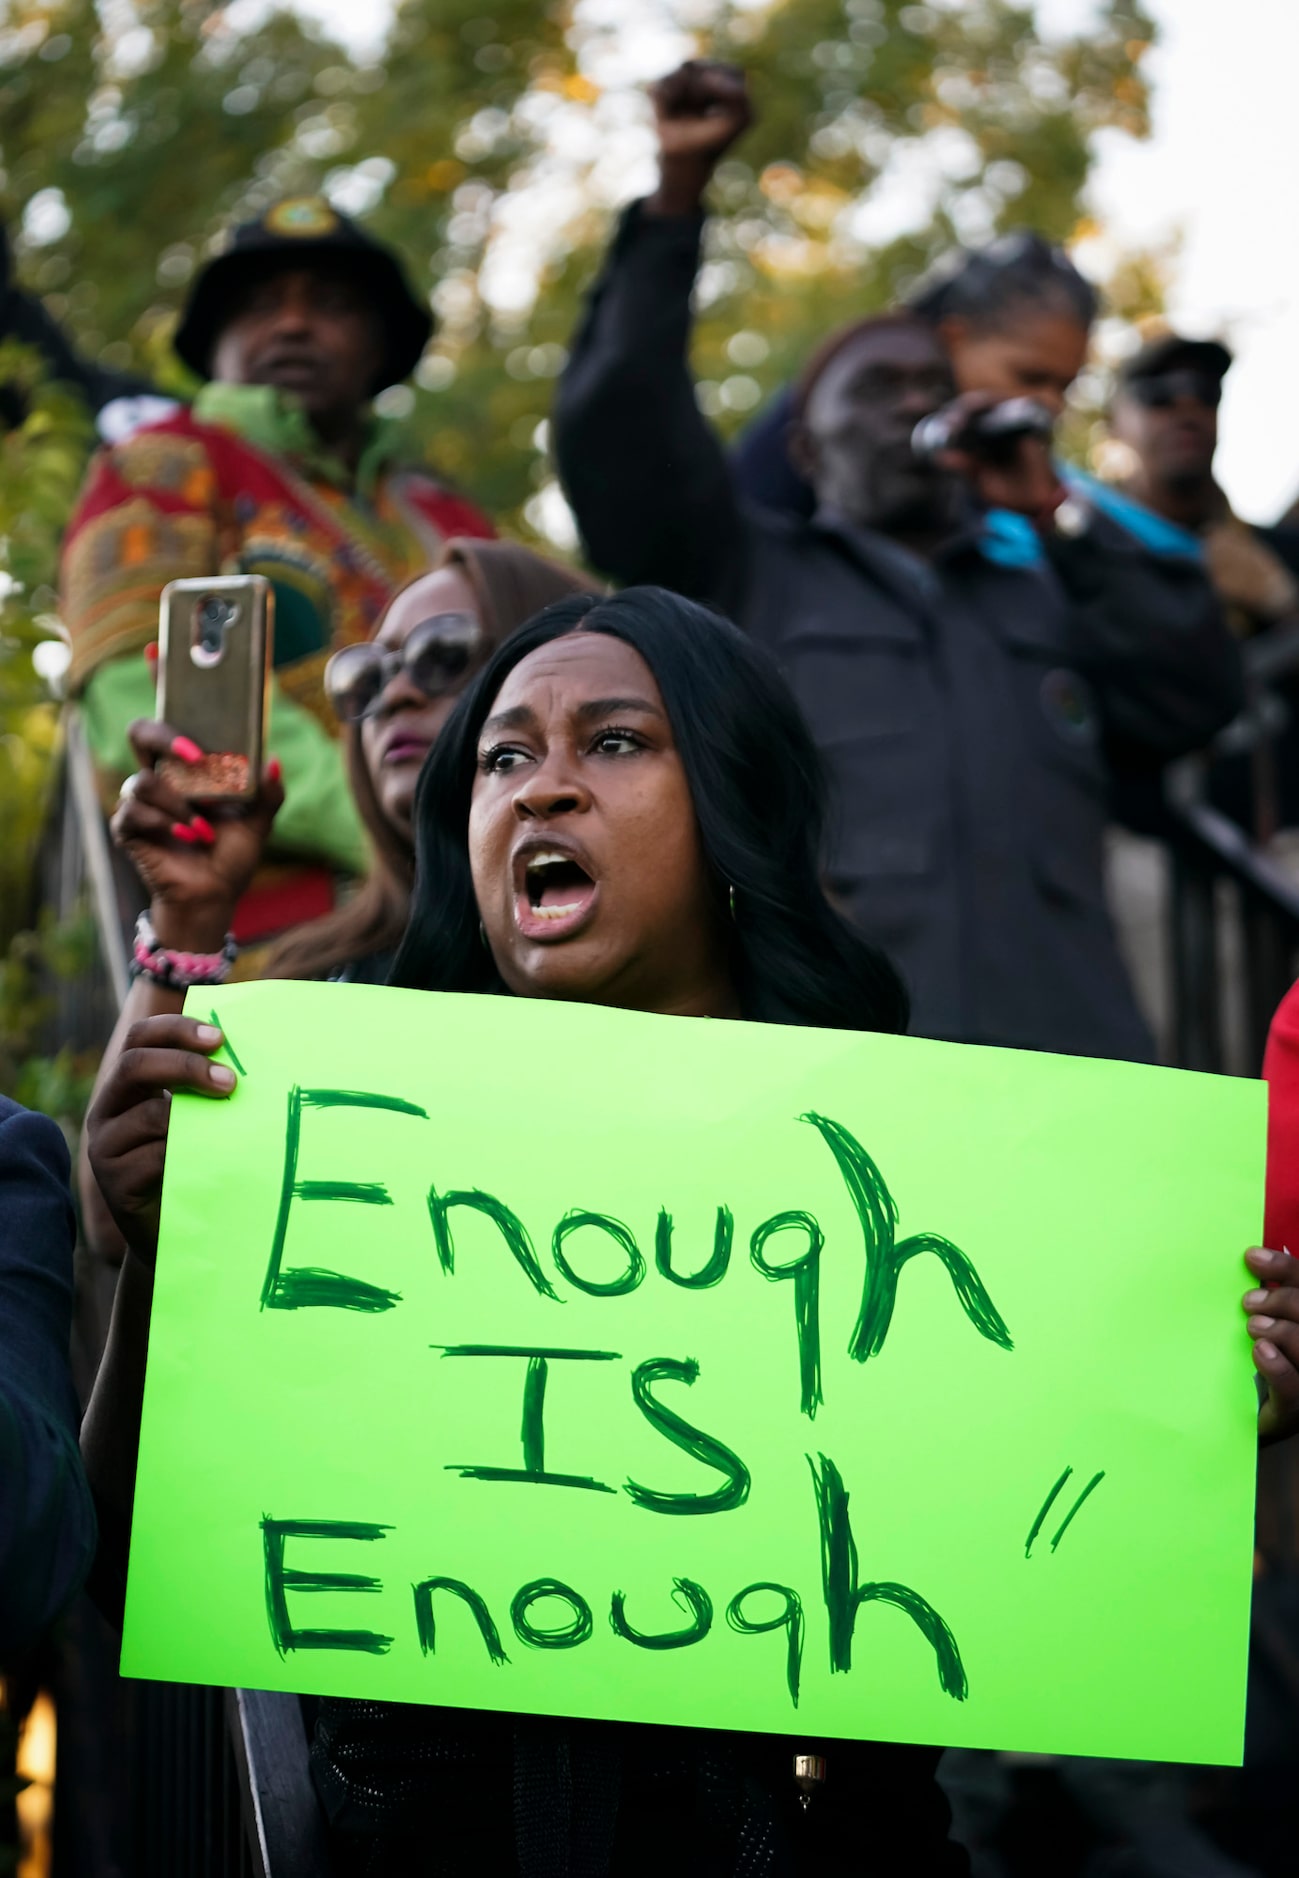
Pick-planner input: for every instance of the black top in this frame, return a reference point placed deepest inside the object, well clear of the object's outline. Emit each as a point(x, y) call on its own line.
point(416, 1791)
point(968, 711)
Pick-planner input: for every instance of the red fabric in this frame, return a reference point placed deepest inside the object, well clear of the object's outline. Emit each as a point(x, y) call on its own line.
point(1281, 1071)
point(184, 498)
point(243, 469)
point(288, 899)
point(450, 515)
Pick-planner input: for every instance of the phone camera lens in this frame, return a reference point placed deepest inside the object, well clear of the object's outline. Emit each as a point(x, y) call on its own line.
point(214, 615)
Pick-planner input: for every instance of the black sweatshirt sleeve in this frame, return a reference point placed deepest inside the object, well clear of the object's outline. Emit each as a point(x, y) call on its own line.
point(47, 1524)
point(645, 475)
point(1153, 638)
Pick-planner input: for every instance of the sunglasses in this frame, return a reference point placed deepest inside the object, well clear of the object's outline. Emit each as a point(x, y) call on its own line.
point(437, 657)
point(1162, 391)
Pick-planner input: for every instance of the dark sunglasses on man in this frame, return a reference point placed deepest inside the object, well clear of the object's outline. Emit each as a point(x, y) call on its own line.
point(1162, 389)
point(437, 657)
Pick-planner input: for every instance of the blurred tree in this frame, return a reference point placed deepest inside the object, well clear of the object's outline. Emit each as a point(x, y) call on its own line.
point(492, 149)
point(40, 468)
point(134, 130)
point(963, 114)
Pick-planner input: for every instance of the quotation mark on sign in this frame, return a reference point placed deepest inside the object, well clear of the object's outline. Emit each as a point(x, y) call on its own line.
point(1050, 1501)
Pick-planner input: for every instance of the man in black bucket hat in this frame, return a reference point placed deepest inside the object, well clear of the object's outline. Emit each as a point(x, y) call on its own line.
point(307, 240)
point(281, 467)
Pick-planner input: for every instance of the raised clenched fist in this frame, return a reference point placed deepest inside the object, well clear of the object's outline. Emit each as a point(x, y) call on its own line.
point(699, 111)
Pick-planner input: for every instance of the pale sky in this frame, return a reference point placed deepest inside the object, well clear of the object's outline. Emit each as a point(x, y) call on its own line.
point(1221, 170)
point(1223, 165)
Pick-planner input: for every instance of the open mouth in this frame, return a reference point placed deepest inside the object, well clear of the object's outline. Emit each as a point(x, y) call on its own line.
point(292, 370)
point(557, 894)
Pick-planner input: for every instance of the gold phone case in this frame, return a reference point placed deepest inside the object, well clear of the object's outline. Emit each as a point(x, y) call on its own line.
point(214, 675)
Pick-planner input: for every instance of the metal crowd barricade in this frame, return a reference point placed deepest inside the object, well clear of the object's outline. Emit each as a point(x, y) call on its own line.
point(1225, 891)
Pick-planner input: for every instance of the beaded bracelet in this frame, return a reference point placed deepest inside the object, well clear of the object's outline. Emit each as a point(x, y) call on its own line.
point(177, 971)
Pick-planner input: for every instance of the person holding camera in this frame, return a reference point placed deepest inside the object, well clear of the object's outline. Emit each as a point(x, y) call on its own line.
point(968, 708)
point(1016, 318)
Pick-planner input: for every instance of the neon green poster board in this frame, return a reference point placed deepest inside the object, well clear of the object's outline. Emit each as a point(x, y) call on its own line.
point(535, 1357)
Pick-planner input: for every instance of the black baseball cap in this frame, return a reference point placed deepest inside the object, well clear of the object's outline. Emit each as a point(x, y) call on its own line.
point(1171, 353)
point(291, 233)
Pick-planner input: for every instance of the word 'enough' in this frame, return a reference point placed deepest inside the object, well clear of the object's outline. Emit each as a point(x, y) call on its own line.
point(843, 1593)
point(298, 1287)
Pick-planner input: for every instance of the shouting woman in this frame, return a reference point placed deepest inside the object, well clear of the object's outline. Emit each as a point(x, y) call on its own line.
point(624, 809)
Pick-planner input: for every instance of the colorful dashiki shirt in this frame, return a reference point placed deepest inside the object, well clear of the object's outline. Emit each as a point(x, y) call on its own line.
point(184, 498)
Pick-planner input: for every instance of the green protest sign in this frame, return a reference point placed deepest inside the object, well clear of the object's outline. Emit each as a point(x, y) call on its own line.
point(529, 1356)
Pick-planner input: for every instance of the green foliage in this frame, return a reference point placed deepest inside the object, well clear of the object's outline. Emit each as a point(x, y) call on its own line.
point(41, 463)
point(156, 137)
point(848, 91)
point(36, 963)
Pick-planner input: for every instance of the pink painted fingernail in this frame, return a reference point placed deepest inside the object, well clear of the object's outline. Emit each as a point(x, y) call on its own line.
point(274, 769)
point(151, 652)
point(186, 749)
point(181, 833)
point(203, 828)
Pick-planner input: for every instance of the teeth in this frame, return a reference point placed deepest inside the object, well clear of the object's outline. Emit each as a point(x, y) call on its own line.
point(554, 912)
point(546, 858)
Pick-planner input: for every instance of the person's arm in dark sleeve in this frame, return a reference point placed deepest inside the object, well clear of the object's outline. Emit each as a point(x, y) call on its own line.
point(26, 319)
point(761, 466)
point(647, 479)
point(1152, 637)
point(47, 1522)
point(645, 475)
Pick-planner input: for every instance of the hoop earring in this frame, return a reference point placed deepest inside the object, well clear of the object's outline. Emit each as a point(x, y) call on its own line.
point(482, 937)
point(730, 891)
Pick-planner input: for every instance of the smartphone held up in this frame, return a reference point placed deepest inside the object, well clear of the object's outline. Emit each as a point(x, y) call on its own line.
point(214, 672)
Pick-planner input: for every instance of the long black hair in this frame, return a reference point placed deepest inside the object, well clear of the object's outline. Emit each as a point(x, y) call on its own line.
point(756, 784)
point(1018, 269)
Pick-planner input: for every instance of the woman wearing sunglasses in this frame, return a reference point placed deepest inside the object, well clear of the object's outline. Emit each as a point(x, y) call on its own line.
point(392, 694)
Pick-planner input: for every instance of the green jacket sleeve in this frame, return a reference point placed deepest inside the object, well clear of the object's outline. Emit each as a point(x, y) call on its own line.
point(319, 820)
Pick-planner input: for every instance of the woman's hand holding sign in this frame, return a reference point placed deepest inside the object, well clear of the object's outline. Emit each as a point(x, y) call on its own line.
point(125, 1141)
point(127, 1125)
point(1274, 1325)
point(195, 870)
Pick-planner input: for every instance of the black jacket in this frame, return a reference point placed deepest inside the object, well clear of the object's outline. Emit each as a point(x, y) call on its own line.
point(535, 1796)
point(47, 1523)
point(967, 711)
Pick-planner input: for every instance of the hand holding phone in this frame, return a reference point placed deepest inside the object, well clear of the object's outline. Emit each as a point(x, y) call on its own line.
point(195, 870)
point(214, 670)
